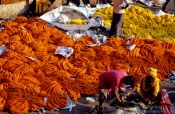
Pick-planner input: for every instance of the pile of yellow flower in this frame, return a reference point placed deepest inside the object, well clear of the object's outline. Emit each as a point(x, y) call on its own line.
point(106, 14)
point(143, 23)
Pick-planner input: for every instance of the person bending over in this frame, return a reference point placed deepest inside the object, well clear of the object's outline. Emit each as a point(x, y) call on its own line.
point(111, 85)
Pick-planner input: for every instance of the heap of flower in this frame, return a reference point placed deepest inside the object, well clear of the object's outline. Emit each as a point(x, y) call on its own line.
point(143, 23)
point(25, 82)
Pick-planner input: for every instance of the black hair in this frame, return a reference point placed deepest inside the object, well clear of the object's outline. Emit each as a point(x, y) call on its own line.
point(52, 1)
point(76, 2)
point(149, 80)
point(128, 80)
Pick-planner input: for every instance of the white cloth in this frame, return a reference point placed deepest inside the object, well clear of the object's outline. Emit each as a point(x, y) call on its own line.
point(121, 11)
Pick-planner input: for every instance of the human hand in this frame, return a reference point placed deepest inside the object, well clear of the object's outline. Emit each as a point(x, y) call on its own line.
point(121, 103)
point(125, 96)
point(149, 103)
point(123, 99)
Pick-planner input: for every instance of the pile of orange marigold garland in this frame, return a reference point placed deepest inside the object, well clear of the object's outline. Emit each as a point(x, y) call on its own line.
point(24, 83)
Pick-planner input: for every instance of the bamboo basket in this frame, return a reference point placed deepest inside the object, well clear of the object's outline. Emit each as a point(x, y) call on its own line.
point(14, 9)
point(10, 1)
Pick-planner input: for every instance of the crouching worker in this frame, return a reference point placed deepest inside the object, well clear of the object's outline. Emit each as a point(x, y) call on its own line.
point(148, 88)
point(110, 86)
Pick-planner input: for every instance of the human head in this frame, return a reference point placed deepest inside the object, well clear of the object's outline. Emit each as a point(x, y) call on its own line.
point(148, 81)
point(128, 80)
point(152, 72)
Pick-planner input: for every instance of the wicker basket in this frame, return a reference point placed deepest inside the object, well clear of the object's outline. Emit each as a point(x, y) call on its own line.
point(14, 9)
point(10, 1)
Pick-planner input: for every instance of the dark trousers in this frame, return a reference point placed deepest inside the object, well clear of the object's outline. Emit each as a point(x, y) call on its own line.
point(112, 99)
point(102, 98)
point(164, 6)
point(117, 25)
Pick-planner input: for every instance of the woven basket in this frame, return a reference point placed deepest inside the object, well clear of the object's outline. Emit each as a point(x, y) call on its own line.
point(10, 1)
point(14, 9)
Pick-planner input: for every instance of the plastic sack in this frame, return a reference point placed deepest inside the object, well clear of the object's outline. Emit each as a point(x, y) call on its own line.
point(3, 48)
point(1, 27)
point(41, 111)
point(59, 17)
point(75, 34)
point(69, 104)
point(98, 39)
point(131, 47)
point(99, 20)
point(90, 99)
point(172, 75)
point(64, 51)
point(161, 13)
point(93, 23)
point(129, 110)
point(63, 19)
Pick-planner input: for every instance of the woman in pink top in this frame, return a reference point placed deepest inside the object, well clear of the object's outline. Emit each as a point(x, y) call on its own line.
point(110, 83)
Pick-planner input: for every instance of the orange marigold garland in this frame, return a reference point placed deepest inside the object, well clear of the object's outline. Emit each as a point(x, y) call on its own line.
point(30, 71)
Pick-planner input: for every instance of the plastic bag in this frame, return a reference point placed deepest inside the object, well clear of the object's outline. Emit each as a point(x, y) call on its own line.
point(131, 47)
point(3, 48)
point(98, 39)
point(1, 27)
point(90, 99)
point(69, 104)
point(64, 51)
point(76, 34)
